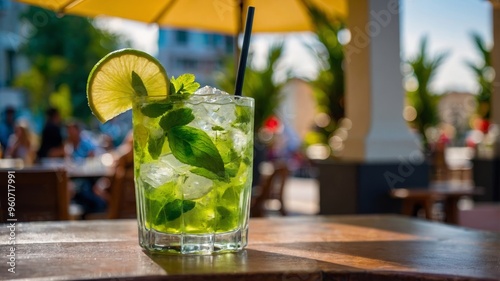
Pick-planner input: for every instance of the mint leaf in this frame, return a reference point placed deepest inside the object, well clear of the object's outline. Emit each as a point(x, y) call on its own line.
point(138, 85)
point(217, 128)
point(246, 160)
point(154, 110)
point(173, 210)
point(155, 146)
point(183, 86)
point(226, 218)
point(171, 87)
point(209, 175)
point(187, 205)
point(178, 117)
point(243, 114)
point(233, 165)
point(194, 147)
point(186, 83)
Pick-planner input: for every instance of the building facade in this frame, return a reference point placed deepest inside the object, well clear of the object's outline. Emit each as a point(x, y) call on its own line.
point(183, 51)
point(11, 62)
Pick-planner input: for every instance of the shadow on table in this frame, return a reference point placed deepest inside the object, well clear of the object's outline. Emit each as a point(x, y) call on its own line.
point(249, 265)
point(410, 257)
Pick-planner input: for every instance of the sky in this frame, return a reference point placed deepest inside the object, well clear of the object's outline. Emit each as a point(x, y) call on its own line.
point(447, 24)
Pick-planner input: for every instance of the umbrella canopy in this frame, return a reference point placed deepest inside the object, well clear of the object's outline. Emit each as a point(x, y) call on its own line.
point(223, 16)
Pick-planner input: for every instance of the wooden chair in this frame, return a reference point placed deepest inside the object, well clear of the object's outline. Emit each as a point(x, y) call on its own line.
point(416, 199)
point(121, 199)
point(425, 198)
point(40, 195)
point(122, 203)
point(270, 190)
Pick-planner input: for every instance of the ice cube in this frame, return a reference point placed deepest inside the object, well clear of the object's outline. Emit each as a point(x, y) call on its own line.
point(175, 165)
point(155, 174)
point(220, 115)
point(207, 90)
point(196, 186)
point(227, 113)
point(166, 169)
point(240, 140)
point(209, 116)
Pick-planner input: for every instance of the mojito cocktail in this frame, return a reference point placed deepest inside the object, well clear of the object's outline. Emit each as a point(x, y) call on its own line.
point(193, 153)
point(193, 172)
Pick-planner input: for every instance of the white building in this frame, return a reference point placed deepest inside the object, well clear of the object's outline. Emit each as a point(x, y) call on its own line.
point(200, 53)
point(11, 63)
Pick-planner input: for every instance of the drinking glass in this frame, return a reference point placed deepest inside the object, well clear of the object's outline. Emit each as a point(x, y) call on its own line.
point(193, 172)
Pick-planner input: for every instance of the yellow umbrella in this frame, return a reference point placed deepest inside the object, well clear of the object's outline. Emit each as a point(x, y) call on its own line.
point(223, 16)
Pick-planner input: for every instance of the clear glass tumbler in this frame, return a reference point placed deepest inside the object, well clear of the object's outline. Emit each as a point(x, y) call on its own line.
point(193, 172)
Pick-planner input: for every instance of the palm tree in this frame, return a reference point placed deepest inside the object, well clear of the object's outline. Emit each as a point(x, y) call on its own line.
point(259, 84)
point(484, 77)
point(422, 99)
point(329, 84)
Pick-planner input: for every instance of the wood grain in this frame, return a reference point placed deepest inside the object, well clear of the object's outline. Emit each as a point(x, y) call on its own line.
point(293, 248)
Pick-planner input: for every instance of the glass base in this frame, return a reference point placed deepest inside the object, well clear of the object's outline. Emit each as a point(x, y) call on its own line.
point(193, 244)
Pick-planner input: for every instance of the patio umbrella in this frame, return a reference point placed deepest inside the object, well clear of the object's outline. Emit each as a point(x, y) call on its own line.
point(222, 16)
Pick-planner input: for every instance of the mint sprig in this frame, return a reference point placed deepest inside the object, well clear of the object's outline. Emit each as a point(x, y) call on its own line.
point(194, 147)
point(154, 110)
point(178, 117)
point(183, 86)
point(155, 146)
point(217, 128)
point(138, 85)
point(209, 175)
point(173, 210)
point(189, 145)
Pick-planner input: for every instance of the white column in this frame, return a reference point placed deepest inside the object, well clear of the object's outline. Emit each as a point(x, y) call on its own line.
point(495, 98)
point(374, 85)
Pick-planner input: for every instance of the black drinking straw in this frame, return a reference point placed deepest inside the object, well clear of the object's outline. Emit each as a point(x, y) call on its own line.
point(240, 75)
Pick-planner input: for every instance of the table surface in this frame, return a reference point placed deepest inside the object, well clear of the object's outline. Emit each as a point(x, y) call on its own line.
point(376, 247)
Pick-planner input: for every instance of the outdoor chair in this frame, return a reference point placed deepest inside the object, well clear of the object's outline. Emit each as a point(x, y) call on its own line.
point(269, 194)
point(39, 195)
point(121, 199)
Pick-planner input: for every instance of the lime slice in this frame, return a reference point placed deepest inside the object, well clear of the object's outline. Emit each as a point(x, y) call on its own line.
point(120, 77)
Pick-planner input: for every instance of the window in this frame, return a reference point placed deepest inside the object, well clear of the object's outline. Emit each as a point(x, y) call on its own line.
point(10, 54)
point(4, 5)
point(162, 38)
point(181, 37)
point(229, 44)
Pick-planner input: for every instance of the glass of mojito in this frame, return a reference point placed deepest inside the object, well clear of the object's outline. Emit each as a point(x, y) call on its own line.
point(193, 153)
point(193, 171)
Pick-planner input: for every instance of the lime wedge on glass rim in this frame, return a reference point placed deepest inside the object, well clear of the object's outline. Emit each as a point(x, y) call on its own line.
point(122, 76)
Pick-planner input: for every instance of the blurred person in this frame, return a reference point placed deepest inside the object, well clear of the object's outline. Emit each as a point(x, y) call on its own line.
point(123, 155)
point(21, 144)
point(80, 147)
point(126, 147)
point(52, 140)
point(7, 126)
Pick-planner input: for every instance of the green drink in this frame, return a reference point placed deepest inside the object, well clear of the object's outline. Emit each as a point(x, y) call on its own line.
point(193, 153)
point(193, 172)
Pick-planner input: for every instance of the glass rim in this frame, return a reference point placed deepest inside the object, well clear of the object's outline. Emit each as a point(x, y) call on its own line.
point(162, 97)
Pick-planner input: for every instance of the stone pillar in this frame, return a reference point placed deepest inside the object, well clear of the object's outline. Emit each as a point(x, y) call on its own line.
point(495, 99)
point(485, 170)
point(374, 87)
point(380, 152)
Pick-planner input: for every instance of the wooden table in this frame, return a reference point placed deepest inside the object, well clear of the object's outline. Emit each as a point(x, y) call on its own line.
point(427, 197)
point(293, 248)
